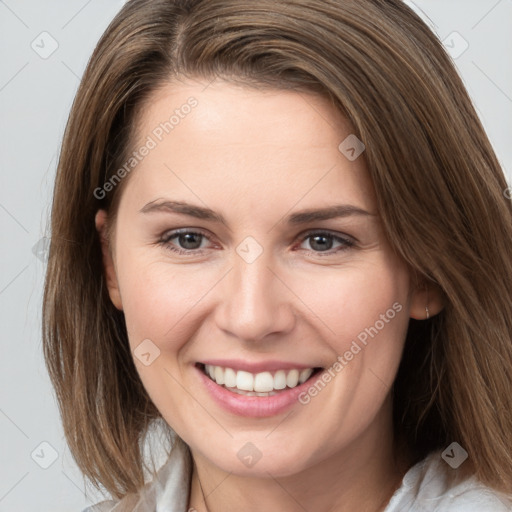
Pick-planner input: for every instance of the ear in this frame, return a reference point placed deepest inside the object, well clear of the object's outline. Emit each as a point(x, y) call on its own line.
point(426, 297)
point(108, 262)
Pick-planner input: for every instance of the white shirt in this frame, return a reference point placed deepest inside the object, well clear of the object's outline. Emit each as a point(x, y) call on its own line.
point(424, 488)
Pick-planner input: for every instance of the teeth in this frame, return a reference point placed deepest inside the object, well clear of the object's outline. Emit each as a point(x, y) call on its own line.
point(264, 382)
point(259, 384)
point(244, 380)
point(304, 375)
point(280, 379)
point(219, 375)
point(229, 378)
point(292, 379)
point(252, 393)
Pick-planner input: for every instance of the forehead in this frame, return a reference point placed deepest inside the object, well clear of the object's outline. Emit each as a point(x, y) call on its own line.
point(229, 141)
point(225, 112)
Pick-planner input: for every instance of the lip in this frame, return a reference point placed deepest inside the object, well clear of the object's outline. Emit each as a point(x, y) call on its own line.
point(253, 406)
point(256, 367)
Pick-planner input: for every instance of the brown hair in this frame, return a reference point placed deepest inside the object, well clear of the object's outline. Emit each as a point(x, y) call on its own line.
point(439, 189)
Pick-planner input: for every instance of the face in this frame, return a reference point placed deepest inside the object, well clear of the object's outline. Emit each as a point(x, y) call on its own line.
point(221, 265)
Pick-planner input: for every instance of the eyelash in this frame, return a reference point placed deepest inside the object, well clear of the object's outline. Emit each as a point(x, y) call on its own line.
point(165, 242)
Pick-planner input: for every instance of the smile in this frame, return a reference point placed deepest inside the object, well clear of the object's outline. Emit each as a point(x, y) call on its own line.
point(258, 393)
point(257, 384)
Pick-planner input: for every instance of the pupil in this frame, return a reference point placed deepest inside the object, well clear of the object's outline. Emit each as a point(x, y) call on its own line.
point(321, 246)
point(188, 238)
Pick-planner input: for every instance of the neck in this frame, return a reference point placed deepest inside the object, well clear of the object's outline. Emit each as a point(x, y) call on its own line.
point(362, 476)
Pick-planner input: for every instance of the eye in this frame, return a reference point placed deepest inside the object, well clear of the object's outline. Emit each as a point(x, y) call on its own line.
point(323, 242)
point(189, 242)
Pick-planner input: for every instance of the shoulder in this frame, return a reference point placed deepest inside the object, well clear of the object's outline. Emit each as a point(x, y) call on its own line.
point(429, 487)
point(169, 486)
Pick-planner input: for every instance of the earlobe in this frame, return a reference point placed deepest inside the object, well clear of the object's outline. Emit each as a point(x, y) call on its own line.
point(108, 262)
point(426, 301)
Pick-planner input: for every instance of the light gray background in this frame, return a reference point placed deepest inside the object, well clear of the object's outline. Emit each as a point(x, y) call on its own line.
point(36, 92)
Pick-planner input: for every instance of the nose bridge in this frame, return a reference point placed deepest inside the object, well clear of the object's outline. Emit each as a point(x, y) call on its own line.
point(253, 281)
point(254, 302)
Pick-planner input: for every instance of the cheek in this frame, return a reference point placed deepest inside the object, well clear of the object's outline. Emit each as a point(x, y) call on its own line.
point(158, 303)
point(341, 303)
point(348, 301)
point(362, 312)
point(160, 300)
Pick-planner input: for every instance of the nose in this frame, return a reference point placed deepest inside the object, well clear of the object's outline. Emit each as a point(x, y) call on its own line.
point(254, 301)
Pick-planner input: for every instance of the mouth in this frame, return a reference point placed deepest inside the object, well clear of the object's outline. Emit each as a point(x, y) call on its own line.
point(261, 384)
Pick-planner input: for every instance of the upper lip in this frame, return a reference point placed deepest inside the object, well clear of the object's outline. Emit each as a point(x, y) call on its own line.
point(256, 366)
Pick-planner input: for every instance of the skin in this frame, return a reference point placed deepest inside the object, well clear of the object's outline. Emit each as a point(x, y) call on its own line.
point(256, 156)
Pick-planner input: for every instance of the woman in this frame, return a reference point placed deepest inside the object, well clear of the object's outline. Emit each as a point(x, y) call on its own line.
point(280, 230)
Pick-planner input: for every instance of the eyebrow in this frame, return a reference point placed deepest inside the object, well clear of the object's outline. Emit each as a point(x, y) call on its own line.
point(301, 217)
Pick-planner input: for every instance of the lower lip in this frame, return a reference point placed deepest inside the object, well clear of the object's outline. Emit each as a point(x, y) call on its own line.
point(253, 406)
